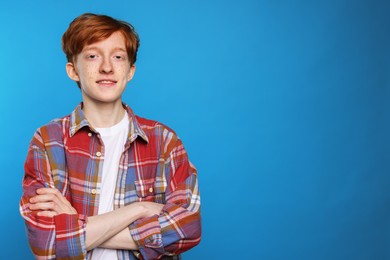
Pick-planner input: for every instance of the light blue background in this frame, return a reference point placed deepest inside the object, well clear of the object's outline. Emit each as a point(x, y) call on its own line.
point(283, 107)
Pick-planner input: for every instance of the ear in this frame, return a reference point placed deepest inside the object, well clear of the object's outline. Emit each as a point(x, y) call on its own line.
point(72, 72)
point(131, 73)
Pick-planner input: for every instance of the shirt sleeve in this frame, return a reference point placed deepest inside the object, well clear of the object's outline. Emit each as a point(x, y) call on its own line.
point(59, 237)
point(178, 227)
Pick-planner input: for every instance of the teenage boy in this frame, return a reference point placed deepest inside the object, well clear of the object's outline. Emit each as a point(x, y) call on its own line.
point(103, 183)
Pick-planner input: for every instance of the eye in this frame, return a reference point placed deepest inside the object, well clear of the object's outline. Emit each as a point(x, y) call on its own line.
point(119, 57)
point(91, 56)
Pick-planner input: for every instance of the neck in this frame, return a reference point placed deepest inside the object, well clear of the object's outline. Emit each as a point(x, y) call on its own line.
point(103, 115)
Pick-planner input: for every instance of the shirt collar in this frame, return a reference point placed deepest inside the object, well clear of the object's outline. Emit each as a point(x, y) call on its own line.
point(78, 121)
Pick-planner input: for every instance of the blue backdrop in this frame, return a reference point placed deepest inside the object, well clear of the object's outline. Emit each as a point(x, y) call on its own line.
point(283, 107)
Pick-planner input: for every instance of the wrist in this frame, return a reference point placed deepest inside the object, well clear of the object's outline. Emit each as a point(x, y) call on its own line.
point(140, 209)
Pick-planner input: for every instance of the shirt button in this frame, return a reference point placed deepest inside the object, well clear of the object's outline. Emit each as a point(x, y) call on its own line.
point(89, 134)
point(98, 154)
point(93, 191)
point(150, 190)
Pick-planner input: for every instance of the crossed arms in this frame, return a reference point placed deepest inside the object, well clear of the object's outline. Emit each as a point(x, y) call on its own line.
point(57, 229)
point(109, 230)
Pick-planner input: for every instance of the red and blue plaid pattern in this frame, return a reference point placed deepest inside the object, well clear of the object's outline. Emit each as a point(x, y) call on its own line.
point(68, 154)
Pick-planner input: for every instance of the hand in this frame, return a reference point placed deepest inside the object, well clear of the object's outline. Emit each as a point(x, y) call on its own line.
point(151, 208)
point(50, 202)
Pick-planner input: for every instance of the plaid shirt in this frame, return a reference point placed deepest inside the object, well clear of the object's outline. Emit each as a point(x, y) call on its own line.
point(68, 154)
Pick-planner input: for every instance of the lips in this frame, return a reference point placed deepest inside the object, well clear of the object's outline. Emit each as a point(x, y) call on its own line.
point(106, 81)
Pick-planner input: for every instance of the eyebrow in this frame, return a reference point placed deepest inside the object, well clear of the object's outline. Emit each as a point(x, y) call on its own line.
point(95, 48)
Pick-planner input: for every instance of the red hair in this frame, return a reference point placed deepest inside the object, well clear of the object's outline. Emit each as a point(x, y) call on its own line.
point(89, 28)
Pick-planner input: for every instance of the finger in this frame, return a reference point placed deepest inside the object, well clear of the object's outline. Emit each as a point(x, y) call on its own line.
point(61, 204)
point(51, 202)
point(42, 206)
point(46, 191)
point(47, 214)
point(41, 198)
point(55, 193)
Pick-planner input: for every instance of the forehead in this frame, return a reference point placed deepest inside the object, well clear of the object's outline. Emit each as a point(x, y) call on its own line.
point(115, 41)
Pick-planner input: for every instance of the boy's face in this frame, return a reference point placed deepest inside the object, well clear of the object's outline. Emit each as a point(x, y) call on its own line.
point(102, 70)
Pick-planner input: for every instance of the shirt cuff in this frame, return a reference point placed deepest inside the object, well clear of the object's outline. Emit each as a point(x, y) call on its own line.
point(70, 235)
point(146, 233)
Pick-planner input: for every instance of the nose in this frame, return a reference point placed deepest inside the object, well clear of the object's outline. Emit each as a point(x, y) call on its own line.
point(106, 66)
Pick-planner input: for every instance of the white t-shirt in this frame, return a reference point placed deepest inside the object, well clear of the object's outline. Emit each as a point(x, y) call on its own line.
point(114, 139)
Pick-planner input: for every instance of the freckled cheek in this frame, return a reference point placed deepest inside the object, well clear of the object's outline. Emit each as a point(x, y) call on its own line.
point(119, 72)
point(90, 72)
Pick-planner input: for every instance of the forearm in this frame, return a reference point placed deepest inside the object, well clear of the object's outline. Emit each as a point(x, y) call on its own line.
point(108, 228)
point(122, 240)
